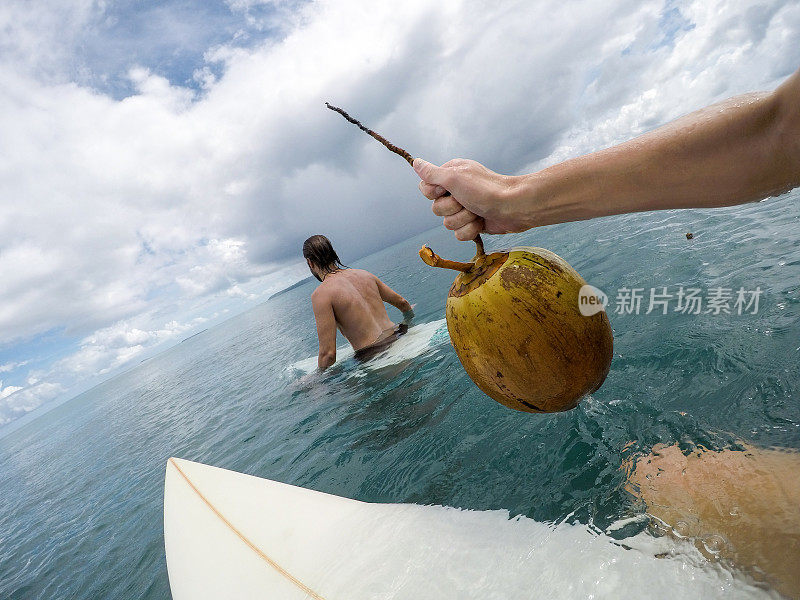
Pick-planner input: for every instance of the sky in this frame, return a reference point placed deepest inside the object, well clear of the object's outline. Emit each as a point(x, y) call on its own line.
point(164, 161)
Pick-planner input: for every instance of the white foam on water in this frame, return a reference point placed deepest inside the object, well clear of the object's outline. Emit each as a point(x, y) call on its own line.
point(418, 339)
point(410, 552)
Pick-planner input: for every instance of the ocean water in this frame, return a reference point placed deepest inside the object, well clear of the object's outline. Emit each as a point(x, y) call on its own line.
point(82, 485)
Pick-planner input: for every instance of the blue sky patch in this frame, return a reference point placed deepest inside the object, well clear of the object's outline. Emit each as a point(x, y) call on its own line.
point(170, 38)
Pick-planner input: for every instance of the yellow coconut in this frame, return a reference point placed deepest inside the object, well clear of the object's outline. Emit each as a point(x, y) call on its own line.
point(515, 323)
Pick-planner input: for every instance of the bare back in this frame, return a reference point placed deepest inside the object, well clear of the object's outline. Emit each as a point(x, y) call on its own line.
point(358, 308)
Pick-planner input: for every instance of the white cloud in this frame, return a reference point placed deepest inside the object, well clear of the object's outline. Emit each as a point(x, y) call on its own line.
point(119, 215)
point(112, 347)
point(8, 390)
point(23, 400)
point(10, 366)
point(41, 39)
point(220, 264)
point(731, 48)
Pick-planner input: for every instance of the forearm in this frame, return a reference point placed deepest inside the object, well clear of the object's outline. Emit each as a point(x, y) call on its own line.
point(403, 305)
point(398, 302)
point(325, 360)
point(741, 150)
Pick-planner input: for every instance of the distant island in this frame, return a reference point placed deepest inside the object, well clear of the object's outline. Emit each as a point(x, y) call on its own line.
point(194, 334)
point(290, 288)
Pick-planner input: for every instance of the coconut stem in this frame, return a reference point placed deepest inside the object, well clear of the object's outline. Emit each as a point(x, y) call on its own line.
point(396, 149)
point(429, 257)
point(479, 243)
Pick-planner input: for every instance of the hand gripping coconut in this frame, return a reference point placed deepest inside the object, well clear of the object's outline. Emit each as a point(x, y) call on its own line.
point(515, 323)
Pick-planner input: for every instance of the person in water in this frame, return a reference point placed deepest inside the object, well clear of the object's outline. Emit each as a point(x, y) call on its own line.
point(745, 503)
point(352, 301)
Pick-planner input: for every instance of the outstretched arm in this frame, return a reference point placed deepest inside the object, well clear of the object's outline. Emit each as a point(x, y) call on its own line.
point(392, 297)
point(740, 150)
point(326, 330)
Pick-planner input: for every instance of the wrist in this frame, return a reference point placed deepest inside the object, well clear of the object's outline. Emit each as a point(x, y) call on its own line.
point(517, 199)
point(569, 191)
point(533, 200)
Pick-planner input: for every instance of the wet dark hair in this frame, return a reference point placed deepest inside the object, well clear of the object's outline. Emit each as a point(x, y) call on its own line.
point(319, 250)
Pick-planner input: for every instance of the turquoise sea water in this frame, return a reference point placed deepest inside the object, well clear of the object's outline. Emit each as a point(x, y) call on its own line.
point(82, 485)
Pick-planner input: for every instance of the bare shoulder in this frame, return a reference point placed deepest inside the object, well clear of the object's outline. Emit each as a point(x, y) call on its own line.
point(362, 274)
point(322, 294)
point(328, 290)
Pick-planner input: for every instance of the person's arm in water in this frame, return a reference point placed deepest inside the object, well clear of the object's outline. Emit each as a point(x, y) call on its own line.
point(326, 329)
point(744, 149)
point(396, 300)
point(746, 503)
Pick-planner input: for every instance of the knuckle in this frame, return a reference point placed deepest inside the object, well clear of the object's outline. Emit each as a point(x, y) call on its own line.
point(460, 218)
point(454, 205)
point(434, 192)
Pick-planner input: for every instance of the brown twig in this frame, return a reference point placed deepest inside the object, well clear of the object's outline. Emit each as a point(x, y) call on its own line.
point(398, 150)
point(380, 138)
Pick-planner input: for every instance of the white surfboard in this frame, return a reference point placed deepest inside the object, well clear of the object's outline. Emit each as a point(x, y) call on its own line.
point(420, 338)
point(235, 536)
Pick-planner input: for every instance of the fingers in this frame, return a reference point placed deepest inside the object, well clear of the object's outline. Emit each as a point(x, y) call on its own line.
point(431, 192)
point(464, 223)
point(470, 230)
point(434, 185)
point(445, 206)
point(459, 220)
